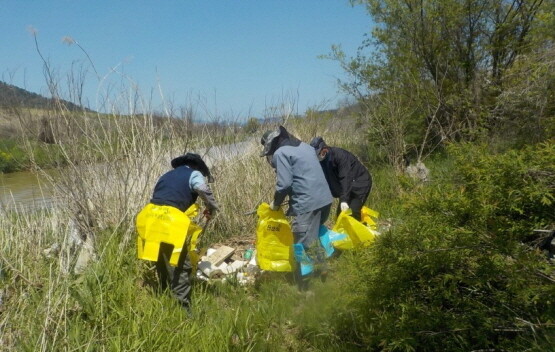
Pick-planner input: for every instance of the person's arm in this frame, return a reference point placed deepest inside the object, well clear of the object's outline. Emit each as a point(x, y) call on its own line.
point(284, 177)
point(200, 187)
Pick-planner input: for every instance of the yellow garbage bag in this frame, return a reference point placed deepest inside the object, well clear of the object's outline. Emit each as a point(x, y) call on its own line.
point(274, 240)
point(358, 234)
point(367, 216)
point(161, 223)
point(193, 233)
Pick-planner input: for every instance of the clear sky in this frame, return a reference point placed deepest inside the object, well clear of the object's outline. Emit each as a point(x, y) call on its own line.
point(231, 58)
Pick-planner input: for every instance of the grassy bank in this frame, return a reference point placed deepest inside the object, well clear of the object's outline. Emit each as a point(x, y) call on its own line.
point(114, 304)
point(14, 155)
point(456, 271)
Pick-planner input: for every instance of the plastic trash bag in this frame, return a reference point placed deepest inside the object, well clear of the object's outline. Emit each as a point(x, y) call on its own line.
point(367, 216)
point(325, 235)
point(161, 223)
point(274, 240)
point(328, 238)
point(193, 233)
point(306, 264)
point(358, 234)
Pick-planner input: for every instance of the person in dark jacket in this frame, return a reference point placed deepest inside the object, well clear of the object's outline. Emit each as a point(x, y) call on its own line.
point(348, 179)
point(180, 188)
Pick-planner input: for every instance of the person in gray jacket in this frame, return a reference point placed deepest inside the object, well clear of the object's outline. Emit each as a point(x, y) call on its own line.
point(300, 177)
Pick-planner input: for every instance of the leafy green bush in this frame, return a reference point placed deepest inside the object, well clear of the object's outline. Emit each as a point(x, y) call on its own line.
point(460, 271)
point(15, 157)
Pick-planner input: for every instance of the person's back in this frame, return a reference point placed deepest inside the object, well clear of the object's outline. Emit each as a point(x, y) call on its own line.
point(341, 168)
point(300, 176)
point(348, 179)
point(173, 189)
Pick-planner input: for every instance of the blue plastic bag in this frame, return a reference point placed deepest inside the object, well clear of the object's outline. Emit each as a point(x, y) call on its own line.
point(307, 265)
point(326, 241)
point(335, 236)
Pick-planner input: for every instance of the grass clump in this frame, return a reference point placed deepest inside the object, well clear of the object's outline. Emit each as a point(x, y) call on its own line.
point(114, 305)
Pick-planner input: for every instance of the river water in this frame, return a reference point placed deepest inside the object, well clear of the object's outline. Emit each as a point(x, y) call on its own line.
point(27, 191)
point(24, 190)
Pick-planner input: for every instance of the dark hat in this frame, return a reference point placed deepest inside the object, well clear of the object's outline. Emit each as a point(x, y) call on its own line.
point(194, 161)
point(318, 143)
point(267, 139)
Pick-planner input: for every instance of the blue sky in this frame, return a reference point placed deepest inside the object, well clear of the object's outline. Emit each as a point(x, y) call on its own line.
point(229, 58)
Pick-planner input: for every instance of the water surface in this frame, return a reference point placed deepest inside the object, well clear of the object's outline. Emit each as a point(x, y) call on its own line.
point(24, 190)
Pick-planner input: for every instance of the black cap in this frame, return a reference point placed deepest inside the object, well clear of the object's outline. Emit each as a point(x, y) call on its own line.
point(267, 140)
point(194, 161)
point(318, 143)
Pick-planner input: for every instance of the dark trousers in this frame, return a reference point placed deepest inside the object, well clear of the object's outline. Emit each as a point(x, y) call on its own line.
point(305, 228)
point(175, 278)
point(357, 198)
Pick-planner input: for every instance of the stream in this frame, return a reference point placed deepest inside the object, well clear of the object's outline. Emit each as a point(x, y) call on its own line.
point(25, 190)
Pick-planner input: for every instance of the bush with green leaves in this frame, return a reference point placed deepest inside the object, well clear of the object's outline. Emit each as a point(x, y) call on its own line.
point(461, 269)
point(15, 157)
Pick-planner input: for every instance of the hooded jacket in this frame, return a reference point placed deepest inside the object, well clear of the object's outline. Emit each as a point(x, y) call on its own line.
point(343, 170)
point(298, 175)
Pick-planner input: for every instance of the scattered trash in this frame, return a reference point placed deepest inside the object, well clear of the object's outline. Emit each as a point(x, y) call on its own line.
point(221, 264)
point(418, 172)
point(75, 254)
point(85, 255)
point(248, 252)
point(221, 254)
point(52, 251)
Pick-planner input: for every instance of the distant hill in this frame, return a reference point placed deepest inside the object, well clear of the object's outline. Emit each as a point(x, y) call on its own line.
point(12, 96)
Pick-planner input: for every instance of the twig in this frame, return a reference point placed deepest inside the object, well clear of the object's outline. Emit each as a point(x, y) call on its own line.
point(18, 273)
point(448, 249)
point(433, 333)
point(540, 274)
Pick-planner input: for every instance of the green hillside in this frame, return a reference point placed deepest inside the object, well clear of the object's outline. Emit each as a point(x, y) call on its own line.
point(14, 97)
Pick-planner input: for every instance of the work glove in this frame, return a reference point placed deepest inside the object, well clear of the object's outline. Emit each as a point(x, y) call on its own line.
point(344, 206)
point(273, 206)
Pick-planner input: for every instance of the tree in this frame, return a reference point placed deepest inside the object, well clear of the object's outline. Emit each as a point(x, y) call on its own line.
point(444, 60)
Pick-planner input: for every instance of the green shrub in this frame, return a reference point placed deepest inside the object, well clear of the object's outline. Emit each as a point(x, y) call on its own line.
point(14, 156)
point(460, 271)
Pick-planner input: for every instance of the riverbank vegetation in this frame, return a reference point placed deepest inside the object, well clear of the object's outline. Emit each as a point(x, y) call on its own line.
point(464, 261)
point(458, 269)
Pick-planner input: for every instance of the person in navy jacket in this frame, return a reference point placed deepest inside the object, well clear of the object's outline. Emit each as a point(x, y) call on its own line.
point(180, 188)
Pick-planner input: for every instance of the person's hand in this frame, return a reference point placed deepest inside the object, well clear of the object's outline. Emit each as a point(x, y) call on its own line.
point(207, 214)
point(344, 206)
point(273, 206)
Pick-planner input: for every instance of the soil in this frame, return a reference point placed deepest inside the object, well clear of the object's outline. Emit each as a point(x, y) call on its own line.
point(241, 244)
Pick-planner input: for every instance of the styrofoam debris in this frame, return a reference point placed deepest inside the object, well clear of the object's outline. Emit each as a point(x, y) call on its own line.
point(201, 276)
point(211, 270)
point(233, 267)
point(244, 270)
point(245, 278)
point(253, 259)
